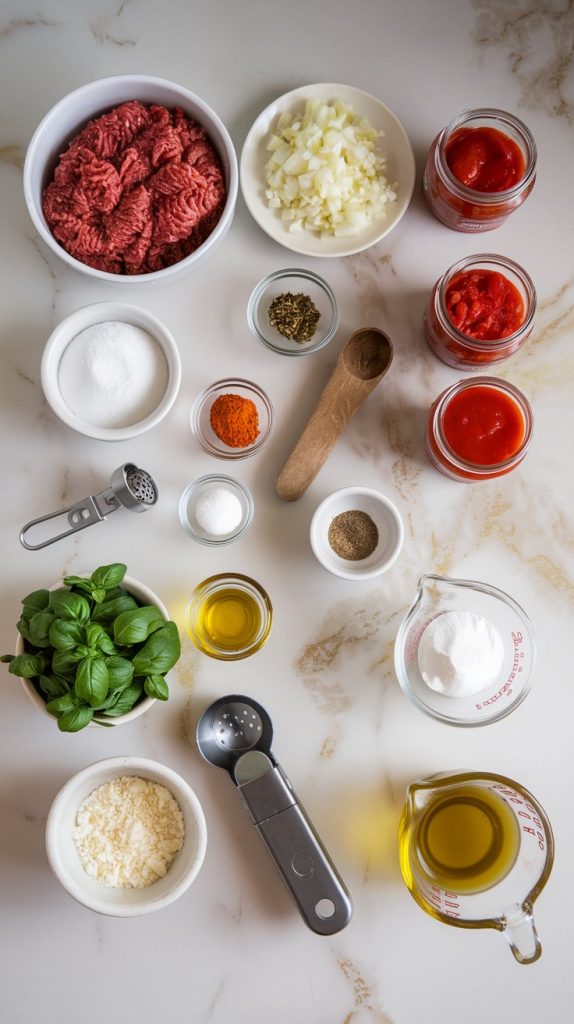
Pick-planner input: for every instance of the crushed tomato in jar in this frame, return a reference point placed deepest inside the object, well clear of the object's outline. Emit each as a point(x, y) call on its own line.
point(480, 311)
point(484, 304)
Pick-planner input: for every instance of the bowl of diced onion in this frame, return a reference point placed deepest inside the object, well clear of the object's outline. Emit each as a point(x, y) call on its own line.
point(327, 170)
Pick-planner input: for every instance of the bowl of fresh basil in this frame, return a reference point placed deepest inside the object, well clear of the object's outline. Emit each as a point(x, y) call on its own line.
point(94, 649)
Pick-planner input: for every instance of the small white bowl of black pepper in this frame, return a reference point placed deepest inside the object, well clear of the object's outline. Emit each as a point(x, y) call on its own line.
point(356, 533)
point(293, 312)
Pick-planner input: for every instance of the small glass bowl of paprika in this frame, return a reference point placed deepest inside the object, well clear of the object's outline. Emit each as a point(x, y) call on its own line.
point(232, 418)
point(478, 429)
point(481, 311)
point(479, 169)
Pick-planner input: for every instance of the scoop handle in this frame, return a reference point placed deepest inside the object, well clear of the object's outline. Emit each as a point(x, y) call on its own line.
point(78, 516)
point(298, 853)
point(342, 396)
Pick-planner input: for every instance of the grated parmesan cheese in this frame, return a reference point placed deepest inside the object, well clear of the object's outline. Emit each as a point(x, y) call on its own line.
point(128, 831)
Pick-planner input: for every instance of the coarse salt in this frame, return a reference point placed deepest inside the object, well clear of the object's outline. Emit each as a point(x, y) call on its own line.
point(112, 374)
point(128, 832)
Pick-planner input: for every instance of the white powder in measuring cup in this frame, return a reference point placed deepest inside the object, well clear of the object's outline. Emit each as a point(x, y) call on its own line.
point(460, 654)
point(112, 374)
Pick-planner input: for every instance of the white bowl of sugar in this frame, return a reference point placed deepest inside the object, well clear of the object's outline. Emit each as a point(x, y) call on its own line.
point(111, 371)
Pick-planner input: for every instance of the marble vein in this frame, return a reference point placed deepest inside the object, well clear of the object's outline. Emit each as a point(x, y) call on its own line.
point(102, 31)
point(18, 24)
point(365, 998)
point(523, 31)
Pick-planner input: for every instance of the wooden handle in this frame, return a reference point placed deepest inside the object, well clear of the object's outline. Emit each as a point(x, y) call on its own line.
point(339, 402)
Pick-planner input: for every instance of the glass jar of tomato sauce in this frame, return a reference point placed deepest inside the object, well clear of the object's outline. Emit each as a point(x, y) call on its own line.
point(480, 168)
point(479, 429)
point(480, 311)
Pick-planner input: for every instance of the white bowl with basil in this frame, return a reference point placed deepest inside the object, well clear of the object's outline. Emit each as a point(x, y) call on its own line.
point(94, 658)
point(136, 875)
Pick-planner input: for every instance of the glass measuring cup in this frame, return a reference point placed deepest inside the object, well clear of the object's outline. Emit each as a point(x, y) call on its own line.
point(438, 594)
point(486, 873)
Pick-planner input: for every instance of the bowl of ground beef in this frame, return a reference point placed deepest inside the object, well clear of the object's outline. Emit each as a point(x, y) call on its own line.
point(131, 178)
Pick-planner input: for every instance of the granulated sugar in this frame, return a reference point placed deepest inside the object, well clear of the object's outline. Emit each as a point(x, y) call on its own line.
point(128, 831)
point(112, 374)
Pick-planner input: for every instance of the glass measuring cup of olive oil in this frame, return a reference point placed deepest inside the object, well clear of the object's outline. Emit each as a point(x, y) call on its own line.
point(476, 850)
point(229, 616)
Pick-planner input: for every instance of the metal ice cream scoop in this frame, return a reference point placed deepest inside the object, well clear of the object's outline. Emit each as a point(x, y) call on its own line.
point(131, 488)
point(235, 733)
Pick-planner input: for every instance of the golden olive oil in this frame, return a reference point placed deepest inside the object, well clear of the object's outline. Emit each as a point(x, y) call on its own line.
point(466, 840)
point(229, 619)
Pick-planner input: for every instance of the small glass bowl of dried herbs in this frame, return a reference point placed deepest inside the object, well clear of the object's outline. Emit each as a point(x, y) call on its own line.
point(293, 312)
point(356, 533)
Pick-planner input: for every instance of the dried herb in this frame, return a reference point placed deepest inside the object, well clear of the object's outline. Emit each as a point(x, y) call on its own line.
point(294, 316)
point(353, 535)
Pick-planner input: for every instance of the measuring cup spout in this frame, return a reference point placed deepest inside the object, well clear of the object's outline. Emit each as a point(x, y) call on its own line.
point(520, 932)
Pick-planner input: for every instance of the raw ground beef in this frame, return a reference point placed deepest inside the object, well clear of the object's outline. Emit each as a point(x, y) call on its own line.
point(137, 190)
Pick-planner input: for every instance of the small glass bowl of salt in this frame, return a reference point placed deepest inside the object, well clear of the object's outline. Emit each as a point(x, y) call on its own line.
point(216, 509)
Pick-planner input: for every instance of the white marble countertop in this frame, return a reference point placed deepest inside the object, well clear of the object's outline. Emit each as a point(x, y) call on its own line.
point(233, 948)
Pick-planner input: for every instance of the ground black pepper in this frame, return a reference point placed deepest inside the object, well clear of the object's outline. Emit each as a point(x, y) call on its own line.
point(353, 535)
point(294, 316)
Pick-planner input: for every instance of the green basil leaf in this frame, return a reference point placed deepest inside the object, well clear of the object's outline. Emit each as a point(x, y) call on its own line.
point(120, 672)
point(39, 626)
point(92, 681)
point(67, 605)
point(125, 700)
point(108, 576)
point(93, 633)
point(78, 718)
point(65, 663)
point(135, 626)
point(80, 582)
point(107, 612)
point(106, 645)
point(67, 702)
point(37, 601)
point(53, 686)
point(26, 666)
point(65, 634)
point(98, 595)
point(160, 653)
point(23, 628)
point(156, 686)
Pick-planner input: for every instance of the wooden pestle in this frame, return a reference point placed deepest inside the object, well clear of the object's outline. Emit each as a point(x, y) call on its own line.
point(362, 363)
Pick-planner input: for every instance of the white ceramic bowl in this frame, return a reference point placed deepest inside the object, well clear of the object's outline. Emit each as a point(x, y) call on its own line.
point(85, 317)
point(67, 118)
point(386, 518)
point(395, 145)
point(141, 593)
point(65, 860)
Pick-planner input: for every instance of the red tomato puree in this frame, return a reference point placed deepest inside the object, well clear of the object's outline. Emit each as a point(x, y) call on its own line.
point(485, 159)
point(484, 304)
point(483, 425)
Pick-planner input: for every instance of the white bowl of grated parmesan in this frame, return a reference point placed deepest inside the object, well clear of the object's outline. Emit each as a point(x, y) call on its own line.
point(126, 836)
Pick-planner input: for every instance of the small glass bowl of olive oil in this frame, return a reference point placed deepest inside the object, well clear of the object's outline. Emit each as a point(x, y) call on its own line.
point(229, 616)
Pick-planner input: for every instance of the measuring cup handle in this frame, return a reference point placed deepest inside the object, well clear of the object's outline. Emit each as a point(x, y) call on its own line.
point(81, 514)
point(520, 932)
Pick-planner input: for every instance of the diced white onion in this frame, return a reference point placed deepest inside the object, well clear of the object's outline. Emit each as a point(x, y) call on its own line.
point(325, 174)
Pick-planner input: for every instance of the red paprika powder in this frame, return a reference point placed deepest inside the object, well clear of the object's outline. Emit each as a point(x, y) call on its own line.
point(235, 420)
